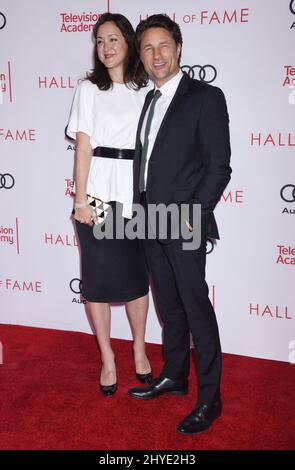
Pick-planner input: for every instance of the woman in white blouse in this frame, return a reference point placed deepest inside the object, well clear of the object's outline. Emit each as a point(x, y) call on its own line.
point(103, 120)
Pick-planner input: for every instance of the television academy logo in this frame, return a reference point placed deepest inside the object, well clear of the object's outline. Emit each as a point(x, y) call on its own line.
point(286, 255)
point(206, 73)
point(289, 79)
point(7, 181)
point(289, 82)
point(287, 194)
point(6, 235)
point(10, 235)
point(292, 10)
point(78, 23)
point(69, 187)
point(6, 83)
point(2, 20)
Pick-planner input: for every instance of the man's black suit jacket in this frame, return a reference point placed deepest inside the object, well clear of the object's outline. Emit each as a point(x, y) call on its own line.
point(190, 160)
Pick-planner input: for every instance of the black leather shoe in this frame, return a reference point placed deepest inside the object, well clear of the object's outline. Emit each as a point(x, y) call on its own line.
point(158, 387)
point(108, 390)
point(145, 378)
point(200, 418)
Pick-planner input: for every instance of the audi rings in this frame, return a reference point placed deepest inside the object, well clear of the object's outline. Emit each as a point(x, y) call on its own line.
point(2, 20)
point(205, 73)
point(76, 286)
point(287, 193)
point(6, 181)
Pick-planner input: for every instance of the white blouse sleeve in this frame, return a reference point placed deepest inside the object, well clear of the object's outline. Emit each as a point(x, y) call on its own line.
point(81, 115)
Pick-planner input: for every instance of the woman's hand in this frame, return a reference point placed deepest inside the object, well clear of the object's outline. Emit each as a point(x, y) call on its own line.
point(85, 215)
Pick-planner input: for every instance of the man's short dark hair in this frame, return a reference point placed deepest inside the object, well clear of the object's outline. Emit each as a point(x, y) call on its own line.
point(159, 21)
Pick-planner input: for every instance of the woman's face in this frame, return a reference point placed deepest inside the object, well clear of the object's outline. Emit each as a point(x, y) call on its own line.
point(111, 46)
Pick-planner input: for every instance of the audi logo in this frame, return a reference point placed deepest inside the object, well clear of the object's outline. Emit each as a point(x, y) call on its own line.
point(2, 20)
point(205, 73)
point(6, 181)
point(287, 193)
point(76, 285)
point(209, 246)
point(292, 8)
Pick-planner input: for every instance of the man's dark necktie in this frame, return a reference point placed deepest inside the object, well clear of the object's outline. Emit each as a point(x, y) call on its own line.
point(146, 140)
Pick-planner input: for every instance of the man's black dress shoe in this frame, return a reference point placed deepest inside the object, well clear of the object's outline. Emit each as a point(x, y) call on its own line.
point(145, 378)
point(200, 418)
point(158, 387)
point(108, 390)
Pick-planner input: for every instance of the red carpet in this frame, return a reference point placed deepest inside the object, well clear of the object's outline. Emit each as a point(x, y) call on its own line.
point(50, 399)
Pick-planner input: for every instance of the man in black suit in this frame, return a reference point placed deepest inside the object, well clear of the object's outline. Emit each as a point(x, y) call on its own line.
point(182, 156)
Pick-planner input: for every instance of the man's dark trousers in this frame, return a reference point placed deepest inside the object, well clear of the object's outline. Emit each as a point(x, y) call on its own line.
point(181, 295)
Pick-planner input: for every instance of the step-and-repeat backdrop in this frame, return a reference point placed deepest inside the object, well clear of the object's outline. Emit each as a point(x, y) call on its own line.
point(246, 48)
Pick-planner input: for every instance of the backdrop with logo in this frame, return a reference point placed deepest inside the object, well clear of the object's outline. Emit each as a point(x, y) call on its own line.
point(246, 48)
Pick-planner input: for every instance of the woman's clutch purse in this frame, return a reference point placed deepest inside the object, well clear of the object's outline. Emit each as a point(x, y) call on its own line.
point(100, 208)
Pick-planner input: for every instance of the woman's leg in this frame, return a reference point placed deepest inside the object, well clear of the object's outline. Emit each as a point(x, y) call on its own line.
point(100, 314)
point(137, 313)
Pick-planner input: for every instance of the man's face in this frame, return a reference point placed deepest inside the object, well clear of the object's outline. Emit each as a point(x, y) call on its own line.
point(159, 54)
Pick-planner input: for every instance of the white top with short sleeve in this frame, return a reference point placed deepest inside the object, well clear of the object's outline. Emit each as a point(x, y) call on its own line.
point(110, 119)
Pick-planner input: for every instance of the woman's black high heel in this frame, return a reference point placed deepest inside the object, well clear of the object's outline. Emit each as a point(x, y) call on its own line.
point(145, 378)
point(108, 390)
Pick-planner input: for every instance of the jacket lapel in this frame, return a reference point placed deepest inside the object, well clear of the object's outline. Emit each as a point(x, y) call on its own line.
point(181, 89)
point(137, 155)
point(148, 99)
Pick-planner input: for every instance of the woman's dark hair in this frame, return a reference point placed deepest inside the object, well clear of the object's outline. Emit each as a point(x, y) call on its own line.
point(159, 21)
point(134, 73)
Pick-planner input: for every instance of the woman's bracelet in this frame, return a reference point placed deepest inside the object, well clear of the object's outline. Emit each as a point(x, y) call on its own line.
point(78, 205)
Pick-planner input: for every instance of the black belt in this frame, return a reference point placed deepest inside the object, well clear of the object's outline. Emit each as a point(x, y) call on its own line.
point(109, 152)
